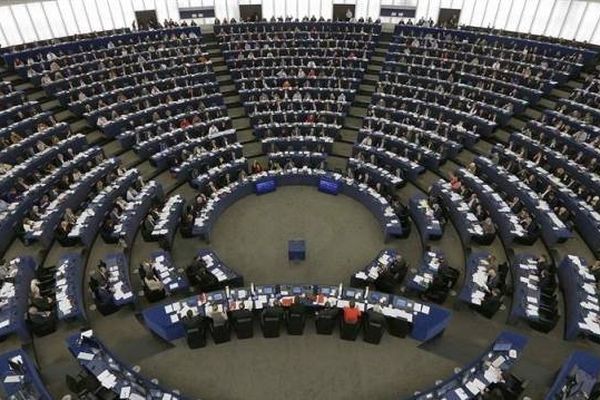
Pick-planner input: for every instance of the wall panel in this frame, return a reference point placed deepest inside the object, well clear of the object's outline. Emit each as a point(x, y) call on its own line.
point(589, 22)
point(573, 20)
point(9, 27)
point(528, 15)
point(21, 15)
point(501, 17)
point(514, 17)
point(40, 21)
point(557, 18)
point(542, 16)
point(54, 18)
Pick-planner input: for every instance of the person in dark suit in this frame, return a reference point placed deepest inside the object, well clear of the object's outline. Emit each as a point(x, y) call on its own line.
point(199, 276)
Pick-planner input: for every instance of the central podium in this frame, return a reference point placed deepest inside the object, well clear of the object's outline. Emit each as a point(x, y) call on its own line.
point(296, 250)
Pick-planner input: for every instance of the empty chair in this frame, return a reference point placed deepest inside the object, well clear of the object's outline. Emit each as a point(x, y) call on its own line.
point(195, 330)
point(398, 327)
point(271, 320)
point(326, 319)
point(374, 325)
point(296, 318)
point(242, 321)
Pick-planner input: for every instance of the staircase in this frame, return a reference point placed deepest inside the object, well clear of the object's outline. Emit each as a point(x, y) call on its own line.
point(235, 109)
point(342, 147)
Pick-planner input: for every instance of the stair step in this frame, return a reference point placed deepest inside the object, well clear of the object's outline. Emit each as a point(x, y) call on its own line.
point(363, 99)
point(229, 100)
point(241, 123)
point(236, 112)
point(112, 148)
point(353, 122)
point(245, 135)
point(348, 135)
point(574, 84)
point(342, 149)
point(337, 163)
point(560, 93)
point(252, 149)
point(367, 88)
point(95, 137)
point(547, 103)
point(516, 123)
point(50, 105)
point(532, 113)
point(63, 115)
point(78, 126)
point(228, 89)
point(358, 111)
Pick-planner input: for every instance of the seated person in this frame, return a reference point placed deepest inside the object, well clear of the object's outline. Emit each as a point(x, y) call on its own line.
point(199, 276)
point(352, 314)
point(217, 315)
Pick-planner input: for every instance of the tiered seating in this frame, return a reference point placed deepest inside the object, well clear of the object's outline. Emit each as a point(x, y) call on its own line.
point(471, 220)
point(14, 296)
point(522, 197)
point(83, 227)
point(297, 81)
point(534, 287)
point(152, 89)
point(160, 276)
point(484, 199)
point(78, 188)
point(110, 285)
point(68, 278)
point(488, 372)
point(40, 189)
point(22, 54)
point(110, 375)
point(209, 207)
point(384, 272)
point(434, 278)
point(20, 378)
point(578, 377)
point(558, 181)
point(164, 223)
point(517, 67)
point(580, 289)
point(485, 283)
point(123, 221)
point(428, 216)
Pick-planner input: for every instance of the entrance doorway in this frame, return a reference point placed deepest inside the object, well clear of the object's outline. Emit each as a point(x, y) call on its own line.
point(146, 18)
point(250, 12)
point(343, 12)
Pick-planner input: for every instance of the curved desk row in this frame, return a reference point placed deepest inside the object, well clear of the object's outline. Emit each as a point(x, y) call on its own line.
point(19, 377)
point(332, 183)
point(482, 373)
point(425, 321)
point(14, 297)
point(424, 216)
point(113, 374)
point(581, 299)
point(576, 378)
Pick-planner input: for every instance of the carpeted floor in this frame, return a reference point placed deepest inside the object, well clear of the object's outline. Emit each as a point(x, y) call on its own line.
point(342, 236)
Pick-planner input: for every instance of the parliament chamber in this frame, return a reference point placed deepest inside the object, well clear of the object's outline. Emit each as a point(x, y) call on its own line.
point(341, 199)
